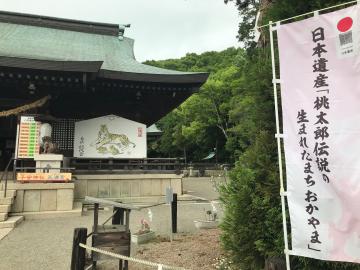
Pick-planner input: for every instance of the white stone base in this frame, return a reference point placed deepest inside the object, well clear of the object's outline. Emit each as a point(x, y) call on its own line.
point(42, 197)
point(205, 224)
point(48, 161)
point(142, 238)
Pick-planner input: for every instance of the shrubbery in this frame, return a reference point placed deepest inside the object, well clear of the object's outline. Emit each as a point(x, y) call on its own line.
point(252, 227)
point(235, 110)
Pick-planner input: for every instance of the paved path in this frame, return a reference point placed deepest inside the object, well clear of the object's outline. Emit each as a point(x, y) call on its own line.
point(46, 244)
point(202, 187)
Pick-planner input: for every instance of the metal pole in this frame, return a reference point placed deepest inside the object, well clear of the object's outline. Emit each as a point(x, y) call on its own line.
point(16, 148)
point(282, 190)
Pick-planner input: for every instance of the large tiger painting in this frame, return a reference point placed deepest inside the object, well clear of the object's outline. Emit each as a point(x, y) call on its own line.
point(111, 143)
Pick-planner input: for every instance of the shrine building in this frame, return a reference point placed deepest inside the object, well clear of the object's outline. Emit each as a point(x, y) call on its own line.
point(80, 82)
point(83, 70)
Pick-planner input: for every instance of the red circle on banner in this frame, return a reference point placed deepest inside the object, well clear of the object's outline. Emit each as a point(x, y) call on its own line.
point(345, 24)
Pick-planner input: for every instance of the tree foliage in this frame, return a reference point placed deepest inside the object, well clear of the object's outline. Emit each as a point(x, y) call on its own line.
point(252, 229)
point(235, 111)
point(202, 122)
point(247, 11)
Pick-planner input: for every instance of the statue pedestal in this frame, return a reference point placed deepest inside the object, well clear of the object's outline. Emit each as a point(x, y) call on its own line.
point(48, 162)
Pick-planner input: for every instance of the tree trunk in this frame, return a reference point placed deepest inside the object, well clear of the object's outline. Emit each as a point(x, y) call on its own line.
point(275, 264)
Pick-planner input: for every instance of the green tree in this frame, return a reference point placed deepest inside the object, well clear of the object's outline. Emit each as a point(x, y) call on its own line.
point(252, 230)
point(201, 123)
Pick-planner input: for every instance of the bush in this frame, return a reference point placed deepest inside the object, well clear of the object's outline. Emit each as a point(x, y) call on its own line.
point(252, 225)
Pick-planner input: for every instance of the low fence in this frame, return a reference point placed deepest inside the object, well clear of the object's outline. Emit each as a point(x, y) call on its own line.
point(151, 165)
point(129, 259)
point(206, 169)
point(114, 240)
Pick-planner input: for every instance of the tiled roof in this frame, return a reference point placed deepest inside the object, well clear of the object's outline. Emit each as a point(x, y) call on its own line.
point(57, 40)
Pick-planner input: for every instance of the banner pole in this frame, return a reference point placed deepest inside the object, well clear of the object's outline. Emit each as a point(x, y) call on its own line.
point(278, 138)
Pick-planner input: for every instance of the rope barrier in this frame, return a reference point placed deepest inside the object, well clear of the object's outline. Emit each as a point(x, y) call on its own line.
point(122, 257)
point(26, 107)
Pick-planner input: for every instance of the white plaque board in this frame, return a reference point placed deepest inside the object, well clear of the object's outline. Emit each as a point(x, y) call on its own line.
point(110, 137)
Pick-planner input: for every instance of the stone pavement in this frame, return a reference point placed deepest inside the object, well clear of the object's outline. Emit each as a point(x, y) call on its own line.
point(202, 187)
point(5, 232)
point(46, 243)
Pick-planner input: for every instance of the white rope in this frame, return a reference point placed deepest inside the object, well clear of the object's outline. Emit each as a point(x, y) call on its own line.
point(122, 257)
point(26, 107)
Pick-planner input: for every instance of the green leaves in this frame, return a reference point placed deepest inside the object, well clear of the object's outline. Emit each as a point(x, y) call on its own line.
point(252, 206)
point(252, 226)
point(201, 123)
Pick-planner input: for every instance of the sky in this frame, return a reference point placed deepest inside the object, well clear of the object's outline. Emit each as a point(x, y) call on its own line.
point(162, 29)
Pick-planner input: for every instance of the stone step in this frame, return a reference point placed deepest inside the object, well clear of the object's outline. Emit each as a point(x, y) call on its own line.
point(10, 185)
point(3, 216)
point(7, 200)
point(9, 193)
point(11, 222)
point(5, 208)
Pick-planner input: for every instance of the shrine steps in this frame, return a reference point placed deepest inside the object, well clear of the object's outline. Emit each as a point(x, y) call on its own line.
point(6, 200)
point(9, 193)
point(5, 208)
point(11, 222)
point(7, 223)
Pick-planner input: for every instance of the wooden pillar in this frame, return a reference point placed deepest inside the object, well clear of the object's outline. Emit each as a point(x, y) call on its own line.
point(78, 253)
point(174, 213)
point(127, 223)
point(118, 217)
point(96, 217)
point(96, 221)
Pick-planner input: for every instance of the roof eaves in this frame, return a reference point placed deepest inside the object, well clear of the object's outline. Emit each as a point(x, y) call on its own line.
point(191, 78)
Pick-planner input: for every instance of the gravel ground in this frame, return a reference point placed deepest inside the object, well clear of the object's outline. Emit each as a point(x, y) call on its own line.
point(197, 252)
point(47, 243)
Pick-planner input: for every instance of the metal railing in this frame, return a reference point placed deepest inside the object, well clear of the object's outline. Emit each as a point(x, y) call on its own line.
point(16, 169)
point(6, 173)
point(109, 165)
point(44, 169)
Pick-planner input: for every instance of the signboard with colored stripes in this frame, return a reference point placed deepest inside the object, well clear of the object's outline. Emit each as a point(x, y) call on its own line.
point(28, 144)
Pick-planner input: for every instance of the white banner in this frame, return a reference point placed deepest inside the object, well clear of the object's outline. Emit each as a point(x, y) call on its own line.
point(320, 92)
point(110, 136)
